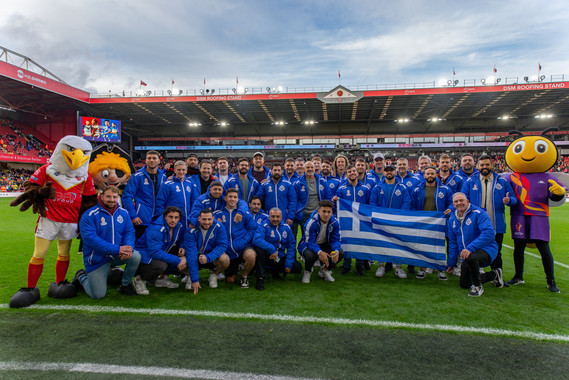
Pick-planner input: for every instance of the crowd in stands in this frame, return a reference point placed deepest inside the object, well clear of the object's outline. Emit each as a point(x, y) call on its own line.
point(13, 140)
point(12, 179)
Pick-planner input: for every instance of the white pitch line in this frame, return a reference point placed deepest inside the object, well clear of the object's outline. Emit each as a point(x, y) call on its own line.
point(538, 256)
point(137, 370)
point(305, 319)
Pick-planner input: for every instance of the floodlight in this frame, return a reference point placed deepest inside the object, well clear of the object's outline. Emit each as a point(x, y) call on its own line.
point(483, 81)
point(212, 91)
point(541, 78)
point(269, 90)
point(169, 92)
point(498, 80)
point(526, 79)
point(449, 82)
point(234, 90)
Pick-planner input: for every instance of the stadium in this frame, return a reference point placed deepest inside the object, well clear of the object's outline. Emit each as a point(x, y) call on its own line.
point(288, 331)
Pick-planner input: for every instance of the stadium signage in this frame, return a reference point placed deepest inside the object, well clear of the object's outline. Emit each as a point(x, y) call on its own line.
point(15, 158)
point(538, 86)
point(235, 147)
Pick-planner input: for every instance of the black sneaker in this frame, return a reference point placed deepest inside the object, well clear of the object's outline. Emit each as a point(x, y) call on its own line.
point(244, 282)
point(360, 271)
point(552, 286)
point(75, 282)
point(276, 275)
point(345, 270)
point(388, 267)
point(127, 290)
point(366, 265)
point(515, 281)
point(410, 269)
point(260, 284)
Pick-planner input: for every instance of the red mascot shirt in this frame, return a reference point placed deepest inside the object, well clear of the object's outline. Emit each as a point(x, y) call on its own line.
point(68, 190)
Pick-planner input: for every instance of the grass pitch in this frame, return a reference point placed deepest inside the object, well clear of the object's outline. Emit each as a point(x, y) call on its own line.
point(316, 350)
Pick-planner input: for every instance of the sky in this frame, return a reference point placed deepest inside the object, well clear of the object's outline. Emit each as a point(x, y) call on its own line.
point(105, 45)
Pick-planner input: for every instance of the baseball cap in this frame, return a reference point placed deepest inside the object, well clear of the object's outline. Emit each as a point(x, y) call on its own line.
point(259, 154)
point(378, 155)
point(389, 167)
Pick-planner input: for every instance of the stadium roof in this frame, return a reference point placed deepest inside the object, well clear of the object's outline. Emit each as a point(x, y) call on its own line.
point(339, 111)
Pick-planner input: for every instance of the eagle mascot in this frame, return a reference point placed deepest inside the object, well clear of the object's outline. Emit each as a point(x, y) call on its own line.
point(59, 192)
point(530, 158)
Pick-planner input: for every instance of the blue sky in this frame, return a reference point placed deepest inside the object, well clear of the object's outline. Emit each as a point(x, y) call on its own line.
point(112, 45)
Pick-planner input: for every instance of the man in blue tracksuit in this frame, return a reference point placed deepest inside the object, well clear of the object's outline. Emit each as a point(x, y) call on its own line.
point(139, 196)
point(321, 241)
point(160, 249)
point(310, 190)
point(446, 176)
point(205, 247)
point(108, 241)
point(240, 236)
point(256, 210)
point(179, 192)
point(353, 190)
point(404, 176)
point(390, 194)
point(467, 168)
point(471, 236)
point(275, 245)
point(492, 193)
point(278, 192)
point(212, 199)
point(376, 172)
point(246, 185)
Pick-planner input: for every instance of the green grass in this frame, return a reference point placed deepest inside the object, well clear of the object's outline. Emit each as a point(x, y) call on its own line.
point(350, 351)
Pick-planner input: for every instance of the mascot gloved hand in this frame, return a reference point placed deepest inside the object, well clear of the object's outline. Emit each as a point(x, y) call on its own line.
point(57, 192)
point(530, 158)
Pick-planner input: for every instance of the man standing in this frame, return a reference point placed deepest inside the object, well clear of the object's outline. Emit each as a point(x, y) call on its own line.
point(193, 164)
point(259, 171)
point(471, 236)
point(321, 241)
point(430, 196)
point(255, 208)
point(378, 166)
point(276, 245)
point(160, 249)
point(299, 167)
point(205, 247)
point(404, 176)
point(289, 172)
point(246, 185)
point(310, 190)
point(108, 237)
point(390, 194)
point(179, 192)
point(331, 182)
point(212, 200)
point(353, 190)
point(317, 161)
point(223, 170)
point(447, 177)
point(361, 169)
point(139, 196)
point(491, 192)
point(467, 167)
point(240, 236)
point(205, 178)
point(279, 193)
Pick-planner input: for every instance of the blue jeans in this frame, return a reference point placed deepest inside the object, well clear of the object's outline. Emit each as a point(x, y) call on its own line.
point(95, 282)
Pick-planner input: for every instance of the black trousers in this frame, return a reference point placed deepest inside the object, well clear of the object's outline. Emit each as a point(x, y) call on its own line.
point(470, 270)
point(311, 257)
point(497, 263)
point(544, 251)
point(151, 272)
point(264, 263)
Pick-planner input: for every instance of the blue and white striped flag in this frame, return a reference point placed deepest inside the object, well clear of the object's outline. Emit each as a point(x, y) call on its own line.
point(396, 236)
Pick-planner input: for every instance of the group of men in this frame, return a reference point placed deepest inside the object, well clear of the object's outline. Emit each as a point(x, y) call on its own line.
point(192, 219)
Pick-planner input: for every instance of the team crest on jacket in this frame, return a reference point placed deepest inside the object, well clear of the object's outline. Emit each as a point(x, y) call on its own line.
point(188, 189)
point(120, 219)
point(281, 188)
point(222, 219)
point(468, 222)
point(397, 192)
point(103, 221)
point(361, 193)
point(441, 195)
point(452, 183)
point(284, 234)
point(332, 185)
point(498, 186)
point(178, 189)
point(409, 183)
point(321, 187)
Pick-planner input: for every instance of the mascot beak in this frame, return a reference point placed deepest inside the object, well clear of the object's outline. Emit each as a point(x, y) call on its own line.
point(74, 159)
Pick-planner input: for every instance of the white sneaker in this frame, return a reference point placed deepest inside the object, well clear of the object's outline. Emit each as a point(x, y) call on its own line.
point(140, 287)
point(328, 276)
point(165, 283)
point(188, 283)
point(212, 280)
point(306, 277)
point(380, 272)
point(442, 276)
point(185, 279)
point(221, 276)
point(321, 273)
point(456, 271)
point(476, 291)
point(421, 275)
point(399, 272)
point(429, 270)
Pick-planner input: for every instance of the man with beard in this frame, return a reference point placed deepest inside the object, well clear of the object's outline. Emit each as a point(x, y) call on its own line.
point(361, 169)
point(204, 179)
point(246, 185)
point(279, 193)
point(179, 192)
point(193, 165)
point(390, 194)
point(376, 173)
point(467, 169)
point(255, 208)
point(212, 200)
point(423, 162)
point(331, 182)
point(491, 192)
point(289, 172)
point(431, 196)
point(447, 177)
point(259, 171)
point(340, 167)
point(353, 190)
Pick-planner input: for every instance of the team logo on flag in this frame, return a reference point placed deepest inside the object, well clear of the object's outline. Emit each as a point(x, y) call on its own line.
point(120, 219)
point(103, 221)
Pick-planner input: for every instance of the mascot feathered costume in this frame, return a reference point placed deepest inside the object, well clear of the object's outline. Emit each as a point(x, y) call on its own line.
point(530, 157)
point(59, 192)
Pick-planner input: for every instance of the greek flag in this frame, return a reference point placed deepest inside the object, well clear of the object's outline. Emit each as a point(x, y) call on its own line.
point(390, 235)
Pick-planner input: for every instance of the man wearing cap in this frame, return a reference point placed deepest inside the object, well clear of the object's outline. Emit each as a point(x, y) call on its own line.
point(193, 165)
point(390, 194)
point(378, 167)
point(259, 171)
